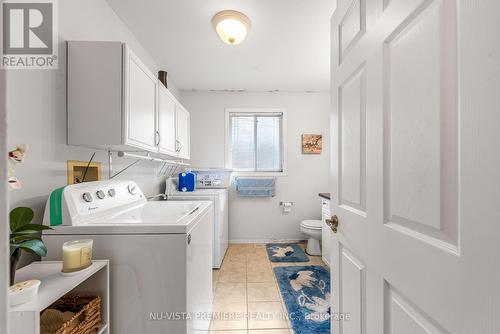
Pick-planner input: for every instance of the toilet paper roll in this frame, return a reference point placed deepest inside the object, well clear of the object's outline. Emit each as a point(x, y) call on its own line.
point(287, 207)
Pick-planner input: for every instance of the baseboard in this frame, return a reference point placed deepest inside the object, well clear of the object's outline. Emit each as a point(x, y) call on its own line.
point(263, 241)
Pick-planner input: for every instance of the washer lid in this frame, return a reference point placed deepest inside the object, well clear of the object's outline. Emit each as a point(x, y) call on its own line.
point(155, 217)
point(313, 223)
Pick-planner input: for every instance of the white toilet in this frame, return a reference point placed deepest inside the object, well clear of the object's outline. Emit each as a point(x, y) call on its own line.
point(312, 228)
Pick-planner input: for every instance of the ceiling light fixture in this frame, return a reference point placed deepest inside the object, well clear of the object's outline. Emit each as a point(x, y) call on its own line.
point(231, 26)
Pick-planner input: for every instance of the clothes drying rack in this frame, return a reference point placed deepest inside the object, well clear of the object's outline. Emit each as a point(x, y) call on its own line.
point(168, 168)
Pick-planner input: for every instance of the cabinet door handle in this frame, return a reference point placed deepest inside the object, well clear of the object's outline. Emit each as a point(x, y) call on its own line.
point(189, 239)
point(157, 134)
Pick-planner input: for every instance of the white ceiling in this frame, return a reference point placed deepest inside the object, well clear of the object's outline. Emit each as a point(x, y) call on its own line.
point(288, 47)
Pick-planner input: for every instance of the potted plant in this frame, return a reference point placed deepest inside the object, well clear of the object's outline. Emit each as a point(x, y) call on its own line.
point(24, 236)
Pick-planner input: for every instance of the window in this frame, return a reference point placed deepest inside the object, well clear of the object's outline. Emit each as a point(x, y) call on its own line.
point(255, 140)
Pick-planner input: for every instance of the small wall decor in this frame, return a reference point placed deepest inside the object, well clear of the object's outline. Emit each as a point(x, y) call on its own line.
point(76, 170)
point(312, 144)
point(15, 157)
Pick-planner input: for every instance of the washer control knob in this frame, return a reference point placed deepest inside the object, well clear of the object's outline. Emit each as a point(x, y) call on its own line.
point(87, 197)
point(112, 192)
point(100, 194)
point(132, 189)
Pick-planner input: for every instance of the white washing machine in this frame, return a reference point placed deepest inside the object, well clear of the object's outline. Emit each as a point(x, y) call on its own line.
point(160, 253)
point(220, 200)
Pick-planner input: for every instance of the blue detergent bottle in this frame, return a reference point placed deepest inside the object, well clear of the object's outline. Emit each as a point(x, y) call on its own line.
point(187, 181)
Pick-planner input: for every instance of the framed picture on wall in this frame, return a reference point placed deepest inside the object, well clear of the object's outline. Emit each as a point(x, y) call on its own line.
point(312, 144)
point(77, 170)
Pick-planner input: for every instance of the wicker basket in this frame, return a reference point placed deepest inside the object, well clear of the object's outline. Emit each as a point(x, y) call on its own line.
point(87, 310)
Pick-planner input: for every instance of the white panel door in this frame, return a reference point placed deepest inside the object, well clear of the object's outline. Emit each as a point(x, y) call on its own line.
point(416, 156)
point(166, 122)
point(183, 132)
point(140, 103)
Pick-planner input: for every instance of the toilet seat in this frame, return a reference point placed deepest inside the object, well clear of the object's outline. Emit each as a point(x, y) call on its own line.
point(311, 224)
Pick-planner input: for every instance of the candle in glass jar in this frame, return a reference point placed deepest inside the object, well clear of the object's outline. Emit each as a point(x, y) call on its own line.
point(77, 255)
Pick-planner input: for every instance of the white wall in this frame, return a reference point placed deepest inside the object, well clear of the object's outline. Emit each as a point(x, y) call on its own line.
point(37, 112)
point(261, 219)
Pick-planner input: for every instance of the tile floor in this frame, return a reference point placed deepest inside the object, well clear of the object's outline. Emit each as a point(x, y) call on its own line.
point(246, 295)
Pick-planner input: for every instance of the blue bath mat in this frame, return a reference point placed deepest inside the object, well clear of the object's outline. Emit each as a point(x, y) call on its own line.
point(306, 292)
point(286, 253)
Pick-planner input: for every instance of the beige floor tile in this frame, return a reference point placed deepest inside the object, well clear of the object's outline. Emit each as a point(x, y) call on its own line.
point(234, 266)
point(230, 292)
point(266, 315)
point(233, 276)
point(215, 275)
point(256, 246)
point(235, 255)
point(255, 256)
point(260, 253)
point(227, 332)
point(237, 248)
point(257, 249)
point(258, 276)
point(228, 316)
point(263, 292)
point(258, 265)
point(258, 260)
point(238, 257)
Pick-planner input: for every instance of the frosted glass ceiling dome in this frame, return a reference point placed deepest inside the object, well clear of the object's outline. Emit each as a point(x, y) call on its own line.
point(231, 26)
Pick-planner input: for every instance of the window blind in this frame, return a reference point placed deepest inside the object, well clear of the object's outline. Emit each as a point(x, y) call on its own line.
point(256, 141)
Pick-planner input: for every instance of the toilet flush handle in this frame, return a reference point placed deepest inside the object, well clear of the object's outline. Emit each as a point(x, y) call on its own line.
point(333, 223)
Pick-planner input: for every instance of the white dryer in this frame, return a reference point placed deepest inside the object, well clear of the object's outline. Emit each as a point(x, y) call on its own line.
point(220, 200)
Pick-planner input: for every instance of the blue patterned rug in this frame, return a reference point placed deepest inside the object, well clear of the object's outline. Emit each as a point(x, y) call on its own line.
point(306, 292)
point(286, 253)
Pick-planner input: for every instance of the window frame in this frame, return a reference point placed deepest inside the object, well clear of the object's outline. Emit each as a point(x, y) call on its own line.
point(253, 112)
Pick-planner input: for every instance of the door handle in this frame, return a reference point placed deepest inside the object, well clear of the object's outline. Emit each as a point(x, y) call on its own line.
point(333, 223)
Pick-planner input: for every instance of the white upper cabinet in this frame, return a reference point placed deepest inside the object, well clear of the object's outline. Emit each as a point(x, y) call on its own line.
point(183, 132)
point(115, 102)
point(166, 122)
point(140, 103)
